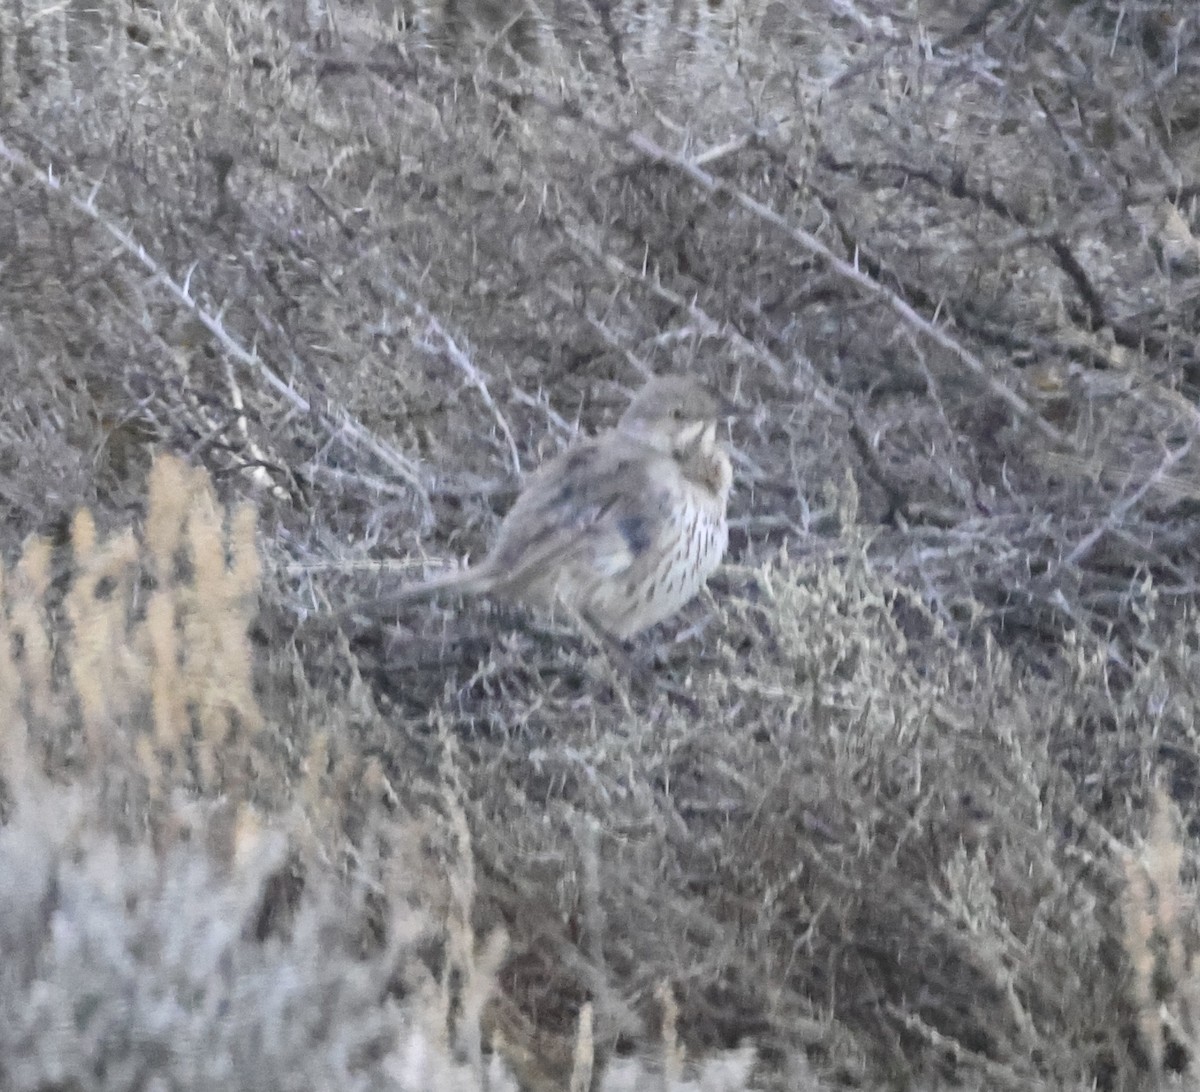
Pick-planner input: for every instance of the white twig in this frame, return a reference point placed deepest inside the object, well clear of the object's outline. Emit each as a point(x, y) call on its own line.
point(720, 151)
point(552, 415)
point(613, 341)
point(1117, 516)
point(823, 394)
point(461, 360)
point(848, 271)
point(339, 420)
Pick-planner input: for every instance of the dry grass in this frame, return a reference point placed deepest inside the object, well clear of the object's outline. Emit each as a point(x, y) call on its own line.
point(1160, 943)
point(355, 266)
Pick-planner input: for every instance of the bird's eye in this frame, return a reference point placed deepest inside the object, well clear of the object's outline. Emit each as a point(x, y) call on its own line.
point(677, 413)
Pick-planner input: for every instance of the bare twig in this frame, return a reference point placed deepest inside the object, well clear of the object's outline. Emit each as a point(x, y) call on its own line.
point(568, 428)
point(338, 421)
point(690, 167)
point(1117, 516)
point(649, 148)
point(823, 394)
point(462, 360)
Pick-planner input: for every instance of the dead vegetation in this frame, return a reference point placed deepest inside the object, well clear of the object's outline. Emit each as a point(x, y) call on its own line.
point(358, 265)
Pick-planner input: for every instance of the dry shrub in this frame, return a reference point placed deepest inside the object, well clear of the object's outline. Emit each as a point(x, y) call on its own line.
point(179, 934)
point(153, 655)
point(363, 268)
point(127, 964)
point(203, 939)
point(873, 838)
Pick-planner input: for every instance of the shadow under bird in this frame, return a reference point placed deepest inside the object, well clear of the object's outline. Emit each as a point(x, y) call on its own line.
point(622, 529)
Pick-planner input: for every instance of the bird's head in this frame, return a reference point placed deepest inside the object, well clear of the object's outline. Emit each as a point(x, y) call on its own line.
point(674, 414)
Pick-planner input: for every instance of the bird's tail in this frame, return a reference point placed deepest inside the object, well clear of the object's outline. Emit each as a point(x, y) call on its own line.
point(477, 580)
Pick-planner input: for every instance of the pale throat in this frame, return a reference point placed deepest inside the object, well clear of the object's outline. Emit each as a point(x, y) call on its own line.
point(705, 463)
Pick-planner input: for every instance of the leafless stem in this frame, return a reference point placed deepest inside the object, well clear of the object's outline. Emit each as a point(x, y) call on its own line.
point(850, 272)
point(338, 421)
point(1119, 511)
point(462, 360)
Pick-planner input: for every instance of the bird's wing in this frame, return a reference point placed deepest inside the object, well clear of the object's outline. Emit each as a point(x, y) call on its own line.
point(595, 501)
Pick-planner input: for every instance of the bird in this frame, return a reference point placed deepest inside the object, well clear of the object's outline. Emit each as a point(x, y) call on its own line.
point(622, 529)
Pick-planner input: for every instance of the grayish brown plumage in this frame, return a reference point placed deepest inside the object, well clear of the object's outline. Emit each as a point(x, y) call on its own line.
point(624, 528)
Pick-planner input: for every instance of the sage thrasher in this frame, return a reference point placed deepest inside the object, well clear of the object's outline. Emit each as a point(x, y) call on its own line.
point(622, 529)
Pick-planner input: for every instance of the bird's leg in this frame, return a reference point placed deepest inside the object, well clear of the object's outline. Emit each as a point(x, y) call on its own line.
point(636, 668)
point(610, 648)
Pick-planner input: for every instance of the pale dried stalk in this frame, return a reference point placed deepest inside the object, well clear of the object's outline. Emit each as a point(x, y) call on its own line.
point(850, 272)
